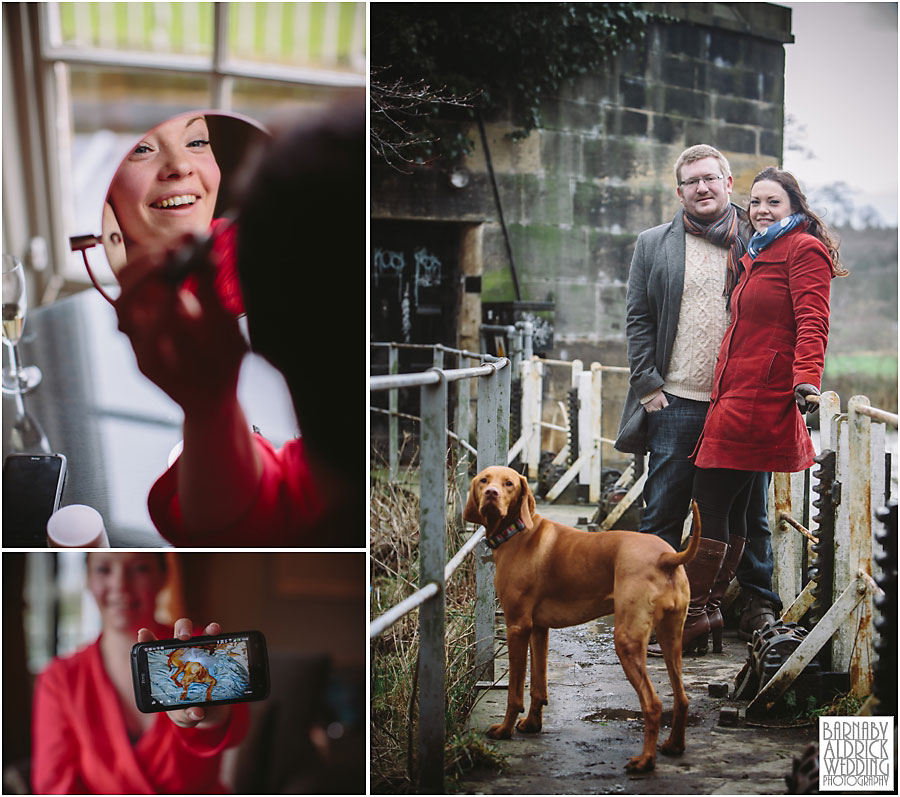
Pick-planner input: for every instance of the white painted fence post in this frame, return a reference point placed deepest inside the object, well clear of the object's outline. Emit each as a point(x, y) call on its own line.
point(833, 430)
point(533, 379)
point(585, 431)
point(860, 549)
point(596, 431)
point(878, 435)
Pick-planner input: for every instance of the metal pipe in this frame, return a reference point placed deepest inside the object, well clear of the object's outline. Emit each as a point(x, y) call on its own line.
point(380, 624)
point(882, 416)
point(876, 414)
point(461, 554)
point(613, 369)
point(493, 179)
point(799, 526)
point(404, 380)
point(432, 376)
point(409, 417)
point(474, 355)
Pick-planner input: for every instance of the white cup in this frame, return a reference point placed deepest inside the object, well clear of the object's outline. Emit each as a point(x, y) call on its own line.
point(76, 526)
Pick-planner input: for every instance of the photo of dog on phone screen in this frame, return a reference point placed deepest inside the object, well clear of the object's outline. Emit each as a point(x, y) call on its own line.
point(203, 672)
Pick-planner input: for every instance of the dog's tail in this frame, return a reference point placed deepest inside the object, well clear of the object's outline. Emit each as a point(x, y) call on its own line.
point(672, 560)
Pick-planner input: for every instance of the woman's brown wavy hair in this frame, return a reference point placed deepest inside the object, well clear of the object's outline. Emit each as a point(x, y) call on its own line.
point(816, 226)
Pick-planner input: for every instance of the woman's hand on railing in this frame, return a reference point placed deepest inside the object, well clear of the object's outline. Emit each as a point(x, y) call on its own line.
point(807, 397)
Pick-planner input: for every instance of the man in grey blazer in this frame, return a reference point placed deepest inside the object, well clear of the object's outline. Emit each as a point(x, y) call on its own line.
point(676, 314)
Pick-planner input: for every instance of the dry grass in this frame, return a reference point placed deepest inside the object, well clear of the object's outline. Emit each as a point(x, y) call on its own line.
point(394, 524)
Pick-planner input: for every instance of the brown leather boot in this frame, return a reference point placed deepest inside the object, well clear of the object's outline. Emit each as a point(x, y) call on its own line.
point(757, 614)
point(701, 572)
point(713, 605)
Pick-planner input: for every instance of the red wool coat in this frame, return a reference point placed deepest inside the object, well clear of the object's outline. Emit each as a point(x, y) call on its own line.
point(776, 340)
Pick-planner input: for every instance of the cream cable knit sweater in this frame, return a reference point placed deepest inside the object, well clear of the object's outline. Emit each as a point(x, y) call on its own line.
point(702, 321)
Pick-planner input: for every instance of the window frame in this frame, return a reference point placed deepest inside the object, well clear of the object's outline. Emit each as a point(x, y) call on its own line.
point(37, 144)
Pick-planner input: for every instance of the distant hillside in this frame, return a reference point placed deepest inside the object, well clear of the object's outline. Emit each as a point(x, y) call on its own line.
point(864, 304)
point(862, 341)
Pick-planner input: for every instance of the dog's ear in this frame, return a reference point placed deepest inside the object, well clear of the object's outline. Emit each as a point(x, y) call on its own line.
point(471, 513)
point(526, 503)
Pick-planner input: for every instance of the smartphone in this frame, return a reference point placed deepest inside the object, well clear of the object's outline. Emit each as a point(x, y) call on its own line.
point(171, 674)
point(32, 490)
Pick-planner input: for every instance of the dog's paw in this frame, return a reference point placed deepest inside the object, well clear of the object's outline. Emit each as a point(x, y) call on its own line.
point(498, 732)
point(669, 747)
point(639, 764)
point(529, 725)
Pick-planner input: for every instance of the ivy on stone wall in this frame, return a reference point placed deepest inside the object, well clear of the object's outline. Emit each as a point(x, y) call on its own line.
point(499, 59)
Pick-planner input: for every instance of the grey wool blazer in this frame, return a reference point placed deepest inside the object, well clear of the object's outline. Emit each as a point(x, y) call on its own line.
point(652, 306)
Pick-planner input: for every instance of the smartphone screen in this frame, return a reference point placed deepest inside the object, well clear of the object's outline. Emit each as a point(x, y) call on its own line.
point(173, 674)
point(32, 490)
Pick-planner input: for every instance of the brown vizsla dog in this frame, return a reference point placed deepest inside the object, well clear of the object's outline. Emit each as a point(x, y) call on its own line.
point(552, 576)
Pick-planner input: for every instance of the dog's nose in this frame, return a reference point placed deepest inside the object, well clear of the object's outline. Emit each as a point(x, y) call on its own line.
point(491, 492)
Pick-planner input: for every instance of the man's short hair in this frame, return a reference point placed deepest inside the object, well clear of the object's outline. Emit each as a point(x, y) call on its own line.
point(699, 152)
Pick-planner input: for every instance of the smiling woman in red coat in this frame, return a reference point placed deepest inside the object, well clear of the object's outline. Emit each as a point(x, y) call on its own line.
point(770, 359)
point(88, 735)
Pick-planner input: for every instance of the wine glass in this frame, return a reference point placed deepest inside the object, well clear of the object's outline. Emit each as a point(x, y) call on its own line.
point(16, 379)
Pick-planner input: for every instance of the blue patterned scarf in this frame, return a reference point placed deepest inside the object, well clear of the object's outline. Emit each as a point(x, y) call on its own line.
point(761, 240)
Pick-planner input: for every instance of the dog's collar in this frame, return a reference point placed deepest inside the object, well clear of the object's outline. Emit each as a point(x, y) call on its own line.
point(499, 537)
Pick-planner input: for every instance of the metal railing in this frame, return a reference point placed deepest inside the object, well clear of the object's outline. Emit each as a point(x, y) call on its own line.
point(588, 465)
point(856, 438)
point(853, 471)
point(492, 414)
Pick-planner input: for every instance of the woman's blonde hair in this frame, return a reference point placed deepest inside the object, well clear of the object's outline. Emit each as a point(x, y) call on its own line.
point(697, 153)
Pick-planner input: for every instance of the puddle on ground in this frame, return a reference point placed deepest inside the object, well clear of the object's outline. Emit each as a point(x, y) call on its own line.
point(619, 714)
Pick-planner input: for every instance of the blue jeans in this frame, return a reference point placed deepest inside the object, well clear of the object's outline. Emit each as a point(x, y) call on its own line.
point(754, 573)
point(672, 434)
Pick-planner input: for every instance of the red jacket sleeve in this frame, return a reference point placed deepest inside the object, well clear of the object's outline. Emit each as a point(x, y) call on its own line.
point(286, 508)
point(810, 284)
point(54, 756)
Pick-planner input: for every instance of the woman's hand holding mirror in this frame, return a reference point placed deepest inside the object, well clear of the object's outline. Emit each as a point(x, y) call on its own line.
point(186, 342)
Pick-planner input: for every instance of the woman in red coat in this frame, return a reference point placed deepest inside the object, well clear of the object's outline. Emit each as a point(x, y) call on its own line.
point(88, 735)
point(769, 361)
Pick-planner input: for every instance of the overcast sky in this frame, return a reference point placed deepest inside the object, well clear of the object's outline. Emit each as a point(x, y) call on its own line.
point(841, 84)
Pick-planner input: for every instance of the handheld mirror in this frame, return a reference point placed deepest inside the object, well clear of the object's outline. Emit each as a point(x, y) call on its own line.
point(177, 178)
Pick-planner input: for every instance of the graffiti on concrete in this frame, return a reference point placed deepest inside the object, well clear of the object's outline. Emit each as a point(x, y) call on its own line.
point(409, 288)
point(543, 331)
point(428, 270)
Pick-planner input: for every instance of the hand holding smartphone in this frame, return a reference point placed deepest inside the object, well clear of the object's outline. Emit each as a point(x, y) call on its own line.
point(212, 670)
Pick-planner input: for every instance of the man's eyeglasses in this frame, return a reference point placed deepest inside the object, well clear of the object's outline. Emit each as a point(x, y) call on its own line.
point(709, 179)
